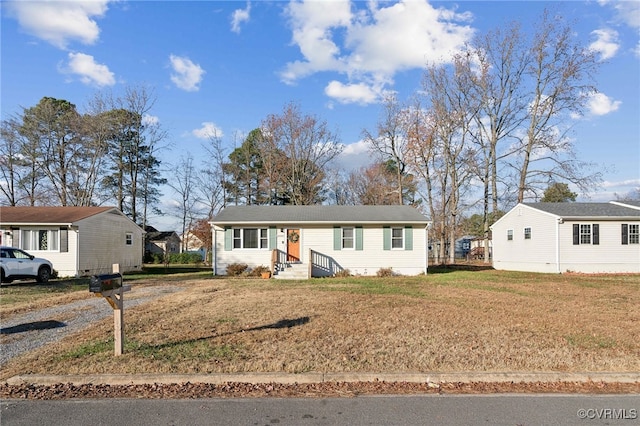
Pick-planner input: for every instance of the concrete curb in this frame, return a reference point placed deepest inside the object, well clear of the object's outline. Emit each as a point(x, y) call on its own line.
point(290, 378)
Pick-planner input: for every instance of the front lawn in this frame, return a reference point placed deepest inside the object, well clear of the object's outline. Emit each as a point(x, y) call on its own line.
point(449, 320)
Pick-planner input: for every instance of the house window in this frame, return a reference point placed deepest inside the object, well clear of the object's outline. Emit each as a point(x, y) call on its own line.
point(250, 238)
point(585, 233)
point(509, 234)
point(347, 238)
point(630, 233)
point(40, 239)
point(397, 238)
point(128, 239)
point(527, 233)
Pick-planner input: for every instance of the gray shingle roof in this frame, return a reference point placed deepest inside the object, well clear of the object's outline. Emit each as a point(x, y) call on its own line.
point(586, 210)
point(319, 214)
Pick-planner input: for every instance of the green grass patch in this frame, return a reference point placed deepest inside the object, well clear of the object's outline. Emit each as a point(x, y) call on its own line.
point(21, 292)
point(87, 349)
point(590, 341)
point(192, 350)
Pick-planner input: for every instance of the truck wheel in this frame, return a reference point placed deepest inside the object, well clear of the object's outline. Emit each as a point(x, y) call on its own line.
point(44, 273)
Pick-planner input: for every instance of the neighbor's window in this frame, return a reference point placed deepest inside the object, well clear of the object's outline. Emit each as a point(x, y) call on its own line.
point(128, 239)
point(527, 233)
point(348, 238)
point(250, 238)
point(630, 233)
point(40, 239)
point(585, 234)
point(634, 234)
point(397, 238)
point(509, 234)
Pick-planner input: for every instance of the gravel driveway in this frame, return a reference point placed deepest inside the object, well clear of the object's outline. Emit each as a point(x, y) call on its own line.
point(29, 331)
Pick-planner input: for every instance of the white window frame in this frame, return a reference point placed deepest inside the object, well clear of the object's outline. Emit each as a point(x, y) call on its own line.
point(633, 233)
point(344, 239)
point(585, 234)
point(128, 239)
point(527, 233)
point(31, 239)
point(396, 238)
point(509, 234)
point(240, 234)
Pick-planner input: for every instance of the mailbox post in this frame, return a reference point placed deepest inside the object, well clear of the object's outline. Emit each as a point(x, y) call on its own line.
point(110, 287)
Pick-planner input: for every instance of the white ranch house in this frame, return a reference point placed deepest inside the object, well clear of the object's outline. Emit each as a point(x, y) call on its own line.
point(316, 241)
point(569, 237)
point(79, 241)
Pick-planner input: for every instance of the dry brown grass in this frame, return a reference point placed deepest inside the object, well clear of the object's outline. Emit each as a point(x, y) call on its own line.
point(457, 321)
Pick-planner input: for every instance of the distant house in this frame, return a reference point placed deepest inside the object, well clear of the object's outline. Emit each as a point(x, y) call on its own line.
point(161, 242)
point(315, 241)
point(79, 241)
point(564, 237)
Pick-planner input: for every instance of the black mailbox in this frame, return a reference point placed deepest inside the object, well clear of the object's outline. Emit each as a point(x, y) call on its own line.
point(100, 283)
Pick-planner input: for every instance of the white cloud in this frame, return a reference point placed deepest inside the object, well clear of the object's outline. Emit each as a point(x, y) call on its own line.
point(632, 183)
point(59, 22)
point(606, 43)
point(240, 16)
point(186, 75)
point(354, 156)
point(89, 71)
point(150, 120)
point(360, 93)
point(601, 104)
point(208, 130)
point(370, 45)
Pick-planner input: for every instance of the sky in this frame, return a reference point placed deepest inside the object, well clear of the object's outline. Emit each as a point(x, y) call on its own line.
point(221, 67)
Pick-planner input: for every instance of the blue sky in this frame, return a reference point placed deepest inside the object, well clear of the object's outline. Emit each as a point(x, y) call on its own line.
point(226, 65)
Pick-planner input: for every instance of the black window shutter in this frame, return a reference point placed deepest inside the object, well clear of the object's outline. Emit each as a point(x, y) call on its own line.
point(576, 234)
point(596, 234)
point(625, 233)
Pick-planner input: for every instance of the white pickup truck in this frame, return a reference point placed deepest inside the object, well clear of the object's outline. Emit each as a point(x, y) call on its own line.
point(17, 264)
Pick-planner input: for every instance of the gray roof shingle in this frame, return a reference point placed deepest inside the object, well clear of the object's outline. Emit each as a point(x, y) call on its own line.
point(319, 214)
point(586, 210)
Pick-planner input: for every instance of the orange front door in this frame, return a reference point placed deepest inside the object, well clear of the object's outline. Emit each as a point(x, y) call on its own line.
point(293, 245)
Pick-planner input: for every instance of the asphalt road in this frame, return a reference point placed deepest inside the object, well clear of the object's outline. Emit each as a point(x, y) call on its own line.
point(509, 409)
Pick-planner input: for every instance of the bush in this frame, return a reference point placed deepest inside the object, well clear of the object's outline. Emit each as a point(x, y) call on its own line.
point(385, 272)
point(258, 270)
point(343, 273)
point(185, 258)
point(236, 269)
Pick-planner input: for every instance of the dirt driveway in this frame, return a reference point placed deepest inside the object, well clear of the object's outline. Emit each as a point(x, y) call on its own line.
point(28, 331)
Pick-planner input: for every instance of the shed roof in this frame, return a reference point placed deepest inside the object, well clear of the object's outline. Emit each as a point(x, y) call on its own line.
point(49, 214)
point(586, 210)
point(319, 214)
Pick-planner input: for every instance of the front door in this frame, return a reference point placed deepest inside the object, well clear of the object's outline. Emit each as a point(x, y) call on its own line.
point(293, 245)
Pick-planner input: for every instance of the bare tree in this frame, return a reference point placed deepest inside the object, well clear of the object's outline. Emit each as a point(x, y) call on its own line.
point(183, 183)
point(211, 179)
point(304, 146)
point(560, 72)
point(390, 142)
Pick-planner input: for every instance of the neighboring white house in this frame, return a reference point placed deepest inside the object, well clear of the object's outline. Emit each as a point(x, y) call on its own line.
point(79, 241)
point(321, 240)
point(569, 237)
